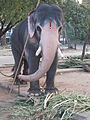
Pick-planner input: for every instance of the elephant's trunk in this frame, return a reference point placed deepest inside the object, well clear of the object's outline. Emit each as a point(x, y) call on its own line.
point(49, 43)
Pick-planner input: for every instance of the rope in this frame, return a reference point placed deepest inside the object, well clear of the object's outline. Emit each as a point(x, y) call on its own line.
point(6, 75)
point(37, 3)
point(19, 67)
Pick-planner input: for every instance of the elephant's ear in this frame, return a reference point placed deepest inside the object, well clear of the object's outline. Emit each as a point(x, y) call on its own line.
point(31, 24)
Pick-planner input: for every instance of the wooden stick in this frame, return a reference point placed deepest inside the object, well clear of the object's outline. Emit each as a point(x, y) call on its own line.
point(19, 67)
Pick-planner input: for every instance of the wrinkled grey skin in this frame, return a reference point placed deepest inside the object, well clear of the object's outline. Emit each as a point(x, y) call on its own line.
point(42, 15)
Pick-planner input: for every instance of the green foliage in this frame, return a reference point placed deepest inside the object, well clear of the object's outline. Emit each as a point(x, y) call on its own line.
point(77, 17)
point(87, 56)
point(59, 107)
point(69, 30)
point(15, 9)
point(86, 3)
point(18, 9)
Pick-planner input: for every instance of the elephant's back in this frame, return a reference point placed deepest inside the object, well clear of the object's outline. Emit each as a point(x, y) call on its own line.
point(18, 36)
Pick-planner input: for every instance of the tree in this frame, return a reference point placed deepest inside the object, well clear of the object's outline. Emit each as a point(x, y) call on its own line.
point(12, 12)
point(86, 2)
point(84, 45)
point(79, 18)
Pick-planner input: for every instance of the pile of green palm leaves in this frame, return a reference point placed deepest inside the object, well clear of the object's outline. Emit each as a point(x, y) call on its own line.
point(74, 62)
point(70, 63)
point(51, 107)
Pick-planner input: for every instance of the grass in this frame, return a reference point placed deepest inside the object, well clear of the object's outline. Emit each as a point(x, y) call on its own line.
point(58, 107)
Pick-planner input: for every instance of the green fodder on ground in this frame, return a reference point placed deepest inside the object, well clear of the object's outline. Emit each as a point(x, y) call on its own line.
point(74, 62)
point(58, 107)
point(70, 63)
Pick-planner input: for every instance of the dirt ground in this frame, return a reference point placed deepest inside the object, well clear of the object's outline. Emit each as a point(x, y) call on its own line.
point(6, 101)
point(76, 82)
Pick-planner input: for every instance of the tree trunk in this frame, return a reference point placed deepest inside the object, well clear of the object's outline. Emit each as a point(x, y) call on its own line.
point(75, 45)
point(68, 40)
point(3, 41)
point(84, 45)
point(69, 43)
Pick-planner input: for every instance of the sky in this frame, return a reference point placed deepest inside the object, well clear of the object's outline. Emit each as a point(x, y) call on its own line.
point(80, 1)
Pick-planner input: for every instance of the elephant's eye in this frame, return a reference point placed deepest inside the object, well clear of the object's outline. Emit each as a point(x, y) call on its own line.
point(59, 30)
point(38, 29)
point(38, 33)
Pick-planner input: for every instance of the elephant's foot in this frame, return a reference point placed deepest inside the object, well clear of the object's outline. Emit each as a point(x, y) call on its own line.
point(17, 82)
point(35, 92)
point(51, 90)
point(21, 82)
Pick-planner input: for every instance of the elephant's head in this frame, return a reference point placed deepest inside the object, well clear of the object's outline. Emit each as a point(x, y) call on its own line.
point(46, 21)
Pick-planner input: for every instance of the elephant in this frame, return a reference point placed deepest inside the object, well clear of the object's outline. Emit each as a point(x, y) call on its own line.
point(43, 25)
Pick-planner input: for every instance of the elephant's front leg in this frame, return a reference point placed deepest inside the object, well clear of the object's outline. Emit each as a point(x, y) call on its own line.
point(33, 62)
point(50, 77)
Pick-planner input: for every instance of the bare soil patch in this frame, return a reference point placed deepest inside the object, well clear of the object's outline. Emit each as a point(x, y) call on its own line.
point(6, 101)
point(75, 82)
